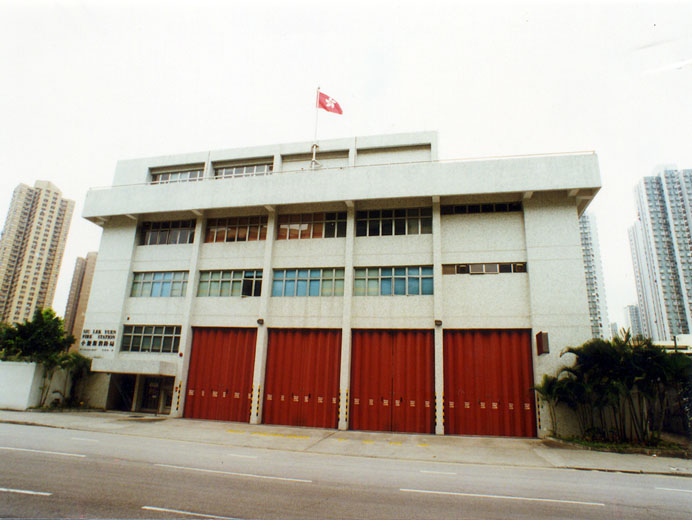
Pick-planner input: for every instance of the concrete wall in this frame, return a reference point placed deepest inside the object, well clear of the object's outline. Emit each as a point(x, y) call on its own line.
point(20, 385)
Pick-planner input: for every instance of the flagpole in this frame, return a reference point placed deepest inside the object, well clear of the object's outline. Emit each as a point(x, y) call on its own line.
point(314, 142)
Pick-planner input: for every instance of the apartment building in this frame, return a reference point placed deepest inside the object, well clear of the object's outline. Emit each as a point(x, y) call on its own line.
point(374, 288)
point(661, 246)
point(75, 309)
point(595, 283)
point(31, 249)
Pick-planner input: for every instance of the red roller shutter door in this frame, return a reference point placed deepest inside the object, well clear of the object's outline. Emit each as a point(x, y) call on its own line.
point(219, 383)
point(392, 381)
point(302, 378)
point(488, 376)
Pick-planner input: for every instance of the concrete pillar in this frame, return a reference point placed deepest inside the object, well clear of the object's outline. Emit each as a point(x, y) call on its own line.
point(262, 322)
point(185, 348)
point(345, 373)
point(437, 316)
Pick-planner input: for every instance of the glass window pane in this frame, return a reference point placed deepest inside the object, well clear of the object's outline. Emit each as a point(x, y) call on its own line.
point(360, 273)
point(399, 285)
point(400, 271)
point(225, 288)
point(302, 273)
point(426, 271)
point(290, 274)
point(315, 273)
point(277, 288)
point(413, 271)
point(427, 286)
point(155, 289)
point(338, 288)
point(341, 229)
point(361, 228)
point(413, 286)
point(399, 226)
point(386, 286)
point(373, 287)
point(235, 288)
point(386, 271)
point(156, 344)
point(214, 289)
point(387, 227)
point(413, 226)
point(327, 287)
point(314, 287)
point(329, 229)
point(426, 226)
point(278, 274)
point(302, 288)
point(359, 287)
point(290, 288)
point(374, 228)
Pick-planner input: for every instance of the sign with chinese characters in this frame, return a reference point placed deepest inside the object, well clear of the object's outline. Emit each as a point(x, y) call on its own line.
point(98, 341)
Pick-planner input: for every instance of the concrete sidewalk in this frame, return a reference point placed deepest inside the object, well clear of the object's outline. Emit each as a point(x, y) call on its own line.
point(530, 453)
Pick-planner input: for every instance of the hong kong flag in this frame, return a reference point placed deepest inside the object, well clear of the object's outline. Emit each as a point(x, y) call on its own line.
point(328, 103)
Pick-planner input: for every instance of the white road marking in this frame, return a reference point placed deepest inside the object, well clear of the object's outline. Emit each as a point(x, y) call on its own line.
point(235, 474)
point(672, 489)
point(240, 456)
point(177, 511)
point(83, 439)
point(503, 497)
point(438, 472)
point(43, 451)
point(26, 492)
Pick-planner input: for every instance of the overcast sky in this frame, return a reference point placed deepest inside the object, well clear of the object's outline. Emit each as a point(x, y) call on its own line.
point(83, 84)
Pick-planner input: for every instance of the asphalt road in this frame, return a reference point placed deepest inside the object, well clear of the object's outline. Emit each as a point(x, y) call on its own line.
point(56, 473)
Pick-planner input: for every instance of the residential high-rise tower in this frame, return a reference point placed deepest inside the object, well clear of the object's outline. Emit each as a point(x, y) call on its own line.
point(79, 294)
point(662, 253)
point(593, 271)
point(31, 249)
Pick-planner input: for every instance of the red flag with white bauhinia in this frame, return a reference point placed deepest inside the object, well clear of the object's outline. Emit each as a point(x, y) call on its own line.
point(328, 103)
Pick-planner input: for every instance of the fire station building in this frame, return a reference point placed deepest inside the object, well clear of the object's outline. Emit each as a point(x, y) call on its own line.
point(373, 288)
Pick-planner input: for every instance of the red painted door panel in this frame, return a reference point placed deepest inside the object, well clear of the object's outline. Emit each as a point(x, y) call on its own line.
point(392, 380)
point(372, 374)
point(302, 377)
point(219, 384)
point(488, 375)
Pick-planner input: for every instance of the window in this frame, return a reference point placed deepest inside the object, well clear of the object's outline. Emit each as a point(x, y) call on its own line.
point(230, 283)
point(191, 175)
point(151, 338)
point(388, 281)
point(489, 268)
point(170, 232)
point(308, 282)
point(159, 284)
point(413, 221)
point(311, 225)
point(236, 229)
point(497, 207)
point(243, 170)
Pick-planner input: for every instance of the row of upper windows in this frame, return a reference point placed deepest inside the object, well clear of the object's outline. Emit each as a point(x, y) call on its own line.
point(370, 281)
point(409, 221)
point(220, 172)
